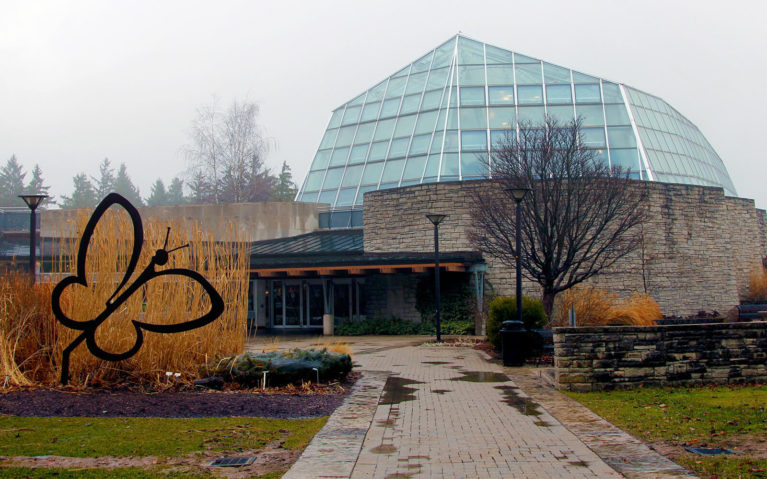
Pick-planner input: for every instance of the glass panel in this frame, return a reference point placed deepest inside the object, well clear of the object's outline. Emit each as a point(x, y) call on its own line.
point(555, 74)
point(416, 83)
point(377, 92)
point(328, 139)
point(328, 197)
point(345, 136)
point(473, 164)
point(628, 159)
point(405, 126)
point(444, 54)
point(561, 114)
point(399, 147)
point(372, 173)
point(437, 79)
point(501, 95)
point(594, 137)
point(335, 119)
point(361, 193)
point(431, 100)
point(471, 75)
point(392, 171)
point(612, 92)
point(332, 179)
point(451, 142)
point(339, 156)
point(309, 197)
point(452, 119)
point(321, 160)
point(358, 154)
point(473, 140)
point(502, 117)
point(453, 97)
point(591, 115)
point(351, 115)
point(432, 167)
point(531, 114)
point(364, 133)
point(529, 74)
point(473, 96)
point(384, 130)
point(558, 94)
point(529, 95)
point(425, 122)
point(410, 104)
point(581, 78)
point(414, 168)
point(314, 180)
point(346, 196)
point(402, 73)
point(525, 59)
point(621, 137)
point(390, 108)
point(500, 75)
point(449, 167)
point(436, 143)
point(378, 151)
point(498, 55)
point(587, 94)
point(420, 145)
point(473, 118)
point(617, 115)
point(422, 64)
point(500, 139)
point(470, 52)
point(370, 112)
point(396, 87)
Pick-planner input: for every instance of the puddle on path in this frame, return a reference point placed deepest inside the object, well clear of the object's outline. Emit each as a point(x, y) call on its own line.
point(578, 463)
point(481, 377)
point(525, 405)
point(435, 362)
point(385, 422)
point(400, 475)
point(396, 390)
point(384, 449)
point(441, 391)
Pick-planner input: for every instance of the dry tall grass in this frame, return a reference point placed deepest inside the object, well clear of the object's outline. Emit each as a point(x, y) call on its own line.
point(757, 285)
point(162, 300)
point(597, 307)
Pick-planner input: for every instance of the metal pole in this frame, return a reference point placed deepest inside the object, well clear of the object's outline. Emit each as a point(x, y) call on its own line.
point(32, 237)
point(519, 264)
point(436, 280)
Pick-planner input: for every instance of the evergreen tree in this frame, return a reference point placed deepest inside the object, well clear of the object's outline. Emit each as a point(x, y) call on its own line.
point(176, 192)
point(37, 186)
point(11, 183)
point(124, 186)
point(83, 196)
point(105, 184)
point(285, 190)
point(158, 196)
point(200, 189)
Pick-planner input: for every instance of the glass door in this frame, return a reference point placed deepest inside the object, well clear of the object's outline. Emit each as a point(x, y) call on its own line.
point(315, 306)
point(293, 302)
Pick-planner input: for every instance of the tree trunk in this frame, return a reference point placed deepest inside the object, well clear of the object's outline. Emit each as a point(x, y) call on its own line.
point(548, 302)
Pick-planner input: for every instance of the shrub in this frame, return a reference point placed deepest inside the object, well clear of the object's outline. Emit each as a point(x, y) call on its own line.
point(505, 309)
point(757, 286)
point(597, 307)
point(381, 326)
point(457, 300)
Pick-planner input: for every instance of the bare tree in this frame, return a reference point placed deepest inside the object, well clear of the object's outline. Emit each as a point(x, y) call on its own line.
point(581, 217)
point(226, 153)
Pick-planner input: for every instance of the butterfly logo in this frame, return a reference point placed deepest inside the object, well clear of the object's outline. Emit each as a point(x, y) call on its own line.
point(125, 290)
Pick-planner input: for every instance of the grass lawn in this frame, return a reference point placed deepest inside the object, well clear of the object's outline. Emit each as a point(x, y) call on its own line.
point(141, 437)
point(730, 417)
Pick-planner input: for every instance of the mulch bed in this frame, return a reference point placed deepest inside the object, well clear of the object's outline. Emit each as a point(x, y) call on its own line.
point(192, 403)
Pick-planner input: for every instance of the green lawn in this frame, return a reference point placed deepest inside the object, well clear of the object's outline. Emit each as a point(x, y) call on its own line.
point(732, 417)
point(120, 473)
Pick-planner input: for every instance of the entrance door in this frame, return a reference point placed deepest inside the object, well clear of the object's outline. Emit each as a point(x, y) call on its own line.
point(315, 306)
point(292, 304)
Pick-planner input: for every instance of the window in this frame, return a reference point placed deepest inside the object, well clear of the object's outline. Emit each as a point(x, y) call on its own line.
point(392, 171)
point(332, 178)
point(372, 173)
point(399, 147)
point(472, 118)
point(529, 74)
point(473, 96)
point(558, 94)
point(502, 117)
point(339, 156)
point(321, 160)
point(587, 94)
point(501, 95)
point(500, 75)
point(527, 95)
point(473, 140)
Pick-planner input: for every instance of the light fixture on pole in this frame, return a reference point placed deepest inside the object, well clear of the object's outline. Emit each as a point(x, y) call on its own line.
point(33, 201)
point(518, 194)
point(436, 220)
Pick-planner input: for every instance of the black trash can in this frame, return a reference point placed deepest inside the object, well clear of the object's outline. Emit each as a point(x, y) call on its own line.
point(512, 343)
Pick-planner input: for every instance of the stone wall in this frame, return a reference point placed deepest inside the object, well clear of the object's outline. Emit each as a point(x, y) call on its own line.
point(599, 358)
point(390, 295)
point(698, 246)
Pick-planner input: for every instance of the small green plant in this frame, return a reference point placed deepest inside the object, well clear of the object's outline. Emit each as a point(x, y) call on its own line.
point(382, 326)
point(504, 308)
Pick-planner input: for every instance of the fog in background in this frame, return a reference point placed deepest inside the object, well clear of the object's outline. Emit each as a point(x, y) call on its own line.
point(81, 81)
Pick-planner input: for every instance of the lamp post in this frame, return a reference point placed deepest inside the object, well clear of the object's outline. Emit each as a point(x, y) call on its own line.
point(33, 201)
point(518, 194)
point(436, 220)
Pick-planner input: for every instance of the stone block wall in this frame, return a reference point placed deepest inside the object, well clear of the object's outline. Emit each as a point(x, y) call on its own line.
point(601, 358)
point(698, 246)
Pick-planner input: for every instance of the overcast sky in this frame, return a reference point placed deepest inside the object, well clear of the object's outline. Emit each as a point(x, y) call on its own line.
point(81, 81)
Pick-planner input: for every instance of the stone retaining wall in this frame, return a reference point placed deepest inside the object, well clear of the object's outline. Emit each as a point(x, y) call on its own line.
point(610, 357)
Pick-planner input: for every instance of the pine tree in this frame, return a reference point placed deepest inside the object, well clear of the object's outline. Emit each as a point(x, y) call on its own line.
point(83, 196)
point(11, 183)
point(285, 189)
point(158, 196)
point(176, 192)
point(105, 184)
point(124, 186)
point(200, 189)
point(37, 186)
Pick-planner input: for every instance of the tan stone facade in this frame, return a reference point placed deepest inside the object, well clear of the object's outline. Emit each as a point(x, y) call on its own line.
point(699, 246)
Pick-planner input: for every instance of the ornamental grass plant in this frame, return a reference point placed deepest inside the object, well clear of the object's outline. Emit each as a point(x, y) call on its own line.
point(597, 307)
point(757, 286)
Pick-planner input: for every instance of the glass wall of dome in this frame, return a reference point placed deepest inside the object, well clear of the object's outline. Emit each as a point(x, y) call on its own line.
point(438, 118)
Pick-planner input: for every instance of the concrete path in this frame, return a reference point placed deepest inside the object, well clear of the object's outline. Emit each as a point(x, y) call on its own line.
point(441, 411)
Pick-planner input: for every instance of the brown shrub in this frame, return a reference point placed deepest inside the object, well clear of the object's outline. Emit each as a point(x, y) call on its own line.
point(757, 285)
point(597, 307)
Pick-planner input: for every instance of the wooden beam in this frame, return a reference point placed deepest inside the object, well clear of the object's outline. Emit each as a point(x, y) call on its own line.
point(420, 269)
point(387, 270)
point(455, 268)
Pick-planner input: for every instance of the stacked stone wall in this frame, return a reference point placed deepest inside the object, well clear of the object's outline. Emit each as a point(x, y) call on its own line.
point(601, 358)
point(698, 245)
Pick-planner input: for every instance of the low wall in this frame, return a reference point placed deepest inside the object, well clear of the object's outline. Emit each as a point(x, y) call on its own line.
point(610, 357)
